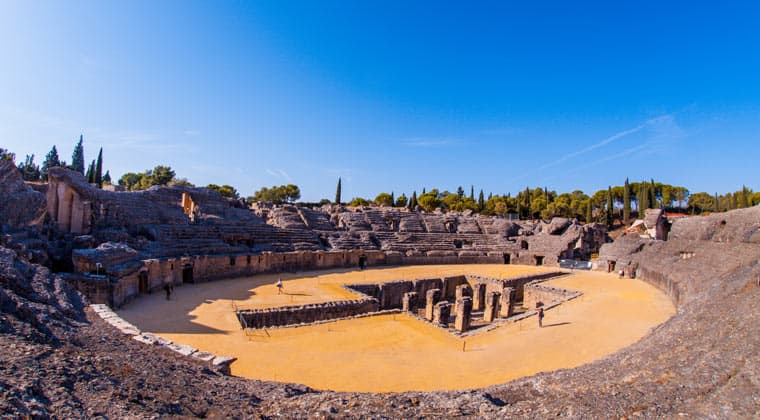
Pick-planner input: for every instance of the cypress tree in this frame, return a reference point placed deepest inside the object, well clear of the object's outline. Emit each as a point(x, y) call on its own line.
point(413, 201)
point(393, 199)
point(99, 169)
point(716, 203)
point(588, 211)
point(490, 196)
point(51, 160)
point(90, 175)
point(653, 194)
point(77, 157)
point(337, 193)
point(107, 177)
point(423, 191)
point(472, 192)
point(626, 202)
point(481, 201)
point(460, 191)
point(609, 213)
point(643, 199)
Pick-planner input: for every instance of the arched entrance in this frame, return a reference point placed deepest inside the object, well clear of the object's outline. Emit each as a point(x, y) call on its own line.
point(143, 282)
point(187, 273)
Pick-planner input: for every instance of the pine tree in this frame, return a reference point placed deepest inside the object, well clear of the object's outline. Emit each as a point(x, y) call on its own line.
point(51, 160)
point(99, 169)
point(609, 213)
point(588, 211)
point(337, 193)
point(481, 201)
point(626, 202)
point(472, 192)
point(77, 157)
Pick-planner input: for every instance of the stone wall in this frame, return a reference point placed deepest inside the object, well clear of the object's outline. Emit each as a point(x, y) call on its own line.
point(535, 293)
point(20, 205)
point(306, 314)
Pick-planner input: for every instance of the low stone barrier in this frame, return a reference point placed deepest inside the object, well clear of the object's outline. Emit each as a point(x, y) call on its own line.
point(104, 312)
point(306, 314)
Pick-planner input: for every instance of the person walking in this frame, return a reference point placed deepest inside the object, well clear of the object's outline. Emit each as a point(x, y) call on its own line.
point(279, 286)
point(168, 290)
point(540, 317)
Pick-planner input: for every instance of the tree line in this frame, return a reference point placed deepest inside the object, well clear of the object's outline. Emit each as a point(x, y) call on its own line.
point(30, 171)
point(614, 204)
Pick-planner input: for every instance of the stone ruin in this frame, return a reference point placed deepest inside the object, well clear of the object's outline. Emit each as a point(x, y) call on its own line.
point(700, 363)
point(183, 235)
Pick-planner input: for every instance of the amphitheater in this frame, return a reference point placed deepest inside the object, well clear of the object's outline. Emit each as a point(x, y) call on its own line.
point(441, 323)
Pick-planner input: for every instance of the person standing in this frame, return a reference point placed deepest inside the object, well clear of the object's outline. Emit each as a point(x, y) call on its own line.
point(540, 317)
point(168, 290)
point(279, 286)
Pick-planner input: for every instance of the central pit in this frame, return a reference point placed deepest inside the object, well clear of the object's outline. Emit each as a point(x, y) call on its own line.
point(397, 352)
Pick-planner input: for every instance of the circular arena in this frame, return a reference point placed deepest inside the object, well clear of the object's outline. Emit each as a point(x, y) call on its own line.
point(678, 341)
point(398, 352)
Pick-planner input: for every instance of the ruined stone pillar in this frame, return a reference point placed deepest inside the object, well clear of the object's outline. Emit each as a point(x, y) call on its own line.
point(463, 290)
point(441, 313)
point(431, 298)
point(507, 304)
point(492, 306)
point(478, 296)
point(409, 302)
point(464, 313)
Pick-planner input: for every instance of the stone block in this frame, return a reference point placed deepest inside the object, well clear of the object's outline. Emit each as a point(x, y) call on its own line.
point(478, 296)
point(462, 290)
point(182, 349)
point(432, 297)
point(442, 313)
point(492, 306)
point(463, 314)
point(507, 303)
point(409, 302)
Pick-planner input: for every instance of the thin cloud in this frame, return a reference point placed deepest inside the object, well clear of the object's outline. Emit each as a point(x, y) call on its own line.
point(432, 143)
point(278, 173)
point(652, 123)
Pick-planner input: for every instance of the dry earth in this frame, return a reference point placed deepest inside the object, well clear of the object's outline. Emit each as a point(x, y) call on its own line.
point(398, 352)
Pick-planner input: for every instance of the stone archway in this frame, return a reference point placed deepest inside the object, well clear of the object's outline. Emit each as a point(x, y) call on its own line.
point(187, 273)
point(143, 282)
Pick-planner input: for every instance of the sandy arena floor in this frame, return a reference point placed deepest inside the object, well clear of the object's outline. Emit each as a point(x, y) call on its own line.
point(397, 352)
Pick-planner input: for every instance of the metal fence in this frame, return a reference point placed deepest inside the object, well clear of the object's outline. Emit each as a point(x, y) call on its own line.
point(575, 264)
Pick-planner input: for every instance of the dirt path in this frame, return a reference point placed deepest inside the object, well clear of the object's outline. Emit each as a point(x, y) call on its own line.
point(397, 352)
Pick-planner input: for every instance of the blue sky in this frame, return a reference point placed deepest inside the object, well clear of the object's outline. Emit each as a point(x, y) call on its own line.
point(390, 96)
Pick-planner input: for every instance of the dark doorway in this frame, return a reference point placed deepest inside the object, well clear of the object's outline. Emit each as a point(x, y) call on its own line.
point(539, 259)
point(143, 282)
point(187, 274)
point(507, 258)
point(610, 266)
